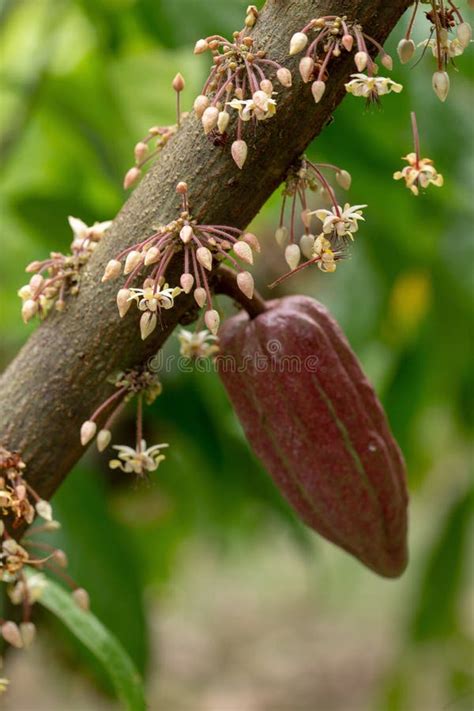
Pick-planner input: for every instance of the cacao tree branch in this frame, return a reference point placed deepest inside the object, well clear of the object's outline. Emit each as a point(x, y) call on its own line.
point(60, 375)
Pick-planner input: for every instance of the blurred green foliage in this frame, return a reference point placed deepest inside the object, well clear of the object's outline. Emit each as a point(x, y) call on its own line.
point(81, 82)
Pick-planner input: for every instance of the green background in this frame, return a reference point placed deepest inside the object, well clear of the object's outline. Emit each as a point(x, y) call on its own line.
point(215, 589)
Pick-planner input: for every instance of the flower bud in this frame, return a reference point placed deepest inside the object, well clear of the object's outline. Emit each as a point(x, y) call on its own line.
point(187, 282)
point(152, 256)
point(361, 59)
point(223, 121)
point(43, 509)
point(36, 282)
point(123, 301)
point(266, 86)
point(306, 68)
point(243, 251)
point(246, 284)
point(212, 321)
point(281, 235)
point(112, 270)
point(201, 46)
point(182, 188)
point(33, 266)
point(344, 179)
point(209, 118)
point(406, 49)
point(131, 177)
point(81, 598)
point(134, 258)
point(331, 453)
point(318, 88)
point(251, 240)
point(178, 82)
point(201, 103)
point(11, 634)
point(464, 33)
point(284, 77)
point(239, 153)
point(148, 323)
point(200, 296)
point(298, 42)
point(348, 42)
point(88, 430)
point(28, 634)
point(140, 151)
point(441, 85)
point(60, 558)
point(103, 439)
point(292, 255)
point(306, 246)
point(387, 61)
point(306, 217)
point(204, 257)
point(29, 309)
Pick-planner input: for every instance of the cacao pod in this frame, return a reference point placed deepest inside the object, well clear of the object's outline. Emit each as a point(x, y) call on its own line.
point(315, 422)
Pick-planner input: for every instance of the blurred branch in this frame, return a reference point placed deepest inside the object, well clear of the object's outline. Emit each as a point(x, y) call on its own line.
point(60, 375)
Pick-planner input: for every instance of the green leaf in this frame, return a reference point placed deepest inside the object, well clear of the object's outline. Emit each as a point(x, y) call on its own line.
point(92, 633)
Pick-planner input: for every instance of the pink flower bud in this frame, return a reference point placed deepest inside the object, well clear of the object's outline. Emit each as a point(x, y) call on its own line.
point(133, 259)
point(182, 188)
point(36, 282)
point(387, 62)
point(131, 177)
point(318, 88)
point(239, 153)
point(266, 86)
point(243, 251)
point(123, 301)
point(306, 246)
point(201, 103)
point(209, 118)
point(33, 266)
point(140, 151)
point(246, 284)
point(152, 256)
point(212, 321)
point(348, 42)
point(406, 49)
point(11, 634)
point(201, 46)
point(361, 59)
point(292, 255)
point(441, 85)
point(178, 82)
point(112, 270)
point(344, 179)
point(284, 77)
point(204, 257)
point(88, 430)
point(464, 33)
point(281, 235)
point(200, 296)
point(223, 121)
point(252, 240)
point(103, 439)
point(298, 42)
point(187, 282)
point(81, 598)
point(306, 68)
point(29, 309)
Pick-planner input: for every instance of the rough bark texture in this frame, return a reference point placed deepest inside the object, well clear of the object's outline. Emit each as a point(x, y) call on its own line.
point(60, 375)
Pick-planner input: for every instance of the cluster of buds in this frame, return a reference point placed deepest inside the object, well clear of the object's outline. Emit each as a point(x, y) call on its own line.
point(239, 79)
point(420, 172)
point(339, 224)
point(54, 278)
point(144, 385)
point(21, 506)
point(156, 139)
point(199, 245)
point(449, 36)
point(333, 36)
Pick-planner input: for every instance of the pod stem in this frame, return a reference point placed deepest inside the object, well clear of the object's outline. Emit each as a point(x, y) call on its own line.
point(225, 283)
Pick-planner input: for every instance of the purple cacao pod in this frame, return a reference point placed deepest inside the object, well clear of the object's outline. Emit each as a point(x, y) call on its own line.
point(315, 422)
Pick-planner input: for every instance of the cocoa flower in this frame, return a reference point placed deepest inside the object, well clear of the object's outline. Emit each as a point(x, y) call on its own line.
point(140, 460)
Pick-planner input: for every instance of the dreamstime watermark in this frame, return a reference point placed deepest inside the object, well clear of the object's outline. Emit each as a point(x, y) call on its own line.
point(269, 360)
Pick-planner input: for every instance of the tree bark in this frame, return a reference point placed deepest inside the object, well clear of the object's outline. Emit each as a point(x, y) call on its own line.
point(60, 375)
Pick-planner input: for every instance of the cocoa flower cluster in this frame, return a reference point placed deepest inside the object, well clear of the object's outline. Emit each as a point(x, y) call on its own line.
point(143, 385)
point(449, 35)
point(54, 278)
point(326, 38)
point(339, 224)
point(200, 246)
point(240, 81)
point(20, 506)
